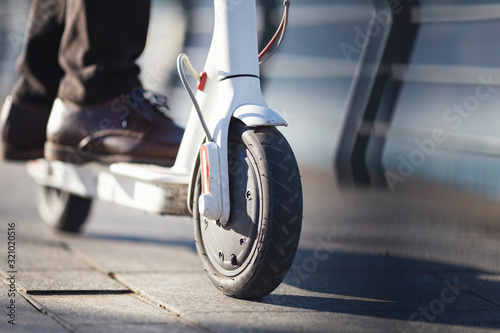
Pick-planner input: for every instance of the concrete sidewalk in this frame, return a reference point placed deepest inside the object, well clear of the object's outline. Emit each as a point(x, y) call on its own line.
point(419, 260)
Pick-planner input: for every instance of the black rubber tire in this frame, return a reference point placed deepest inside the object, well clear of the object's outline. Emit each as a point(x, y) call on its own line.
point(279, 220)
point(61, 210)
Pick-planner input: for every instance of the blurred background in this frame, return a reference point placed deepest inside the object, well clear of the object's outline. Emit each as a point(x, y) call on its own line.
point(309, 79)
point(390, 252)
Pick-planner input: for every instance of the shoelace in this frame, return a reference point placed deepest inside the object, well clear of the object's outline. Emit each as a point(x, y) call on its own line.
point(156, 103)
point(159, 101)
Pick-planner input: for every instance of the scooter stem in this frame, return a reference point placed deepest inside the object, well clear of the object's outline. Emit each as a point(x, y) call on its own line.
point(232, 90)
point(235, 38)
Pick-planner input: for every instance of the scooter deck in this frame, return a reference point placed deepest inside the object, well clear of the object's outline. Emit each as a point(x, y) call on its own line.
point(149, 188)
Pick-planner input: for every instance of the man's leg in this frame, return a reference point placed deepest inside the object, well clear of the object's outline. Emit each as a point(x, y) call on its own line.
point(25, 114)
point(99, 47)
point(38, 65)
point(104, 114)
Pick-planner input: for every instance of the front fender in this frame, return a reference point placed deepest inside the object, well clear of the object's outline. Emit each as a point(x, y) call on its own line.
point(258, 115)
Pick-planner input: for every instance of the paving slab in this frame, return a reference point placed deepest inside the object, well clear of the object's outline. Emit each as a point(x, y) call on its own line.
point(36, 255)
point(124, 313)
point(137, 254)
point(317, 322)
point(381, 295)
point(48, 282)
point(189, 293)
point(135, 328)
point(27, 317)
point(424, 222)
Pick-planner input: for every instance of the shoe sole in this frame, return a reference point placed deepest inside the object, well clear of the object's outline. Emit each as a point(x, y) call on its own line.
point(75, 155)
point(10, 153)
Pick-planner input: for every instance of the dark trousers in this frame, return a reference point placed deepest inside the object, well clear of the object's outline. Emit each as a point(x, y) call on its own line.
point(83, 51)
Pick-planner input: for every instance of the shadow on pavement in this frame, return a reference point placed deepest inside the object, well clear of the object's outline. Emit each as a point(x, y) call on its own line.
point(389, 287)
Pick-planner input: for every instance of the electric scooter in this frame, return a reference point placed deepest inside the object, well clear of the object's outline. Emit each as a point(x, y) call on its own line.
point(234, 173)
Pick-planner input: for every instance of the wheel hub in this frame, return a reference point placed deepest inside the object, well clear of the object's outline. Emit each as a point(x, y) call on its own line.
point(230, 248)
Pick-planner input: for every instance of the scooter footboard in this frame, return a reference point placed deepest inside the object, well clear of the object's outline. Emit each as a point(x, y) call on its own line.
point(149, 188)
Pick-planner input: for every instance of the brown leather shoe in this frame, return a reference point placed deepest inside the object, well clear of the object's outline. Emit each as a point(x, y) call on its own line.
point(129, 128)
point(22, 130)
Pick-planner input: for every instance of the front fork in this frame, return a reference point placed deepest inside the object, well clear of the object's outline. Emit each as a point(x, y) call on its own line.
point(232, 89)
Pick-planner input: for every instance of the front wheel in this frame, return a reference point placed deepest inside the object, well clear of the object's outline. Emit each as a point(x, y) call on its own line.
point(250, 256)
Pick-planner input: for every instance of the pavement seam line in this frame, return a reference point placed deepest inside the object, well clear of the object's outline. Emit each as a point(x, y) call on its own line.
point(468, 291)
point(135, 290)
point(39, 307)
point(164, 306)
point(473, 293)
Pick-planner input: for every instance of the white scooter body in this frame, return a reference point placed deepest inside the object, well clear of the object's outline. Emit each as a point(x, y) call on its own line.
point(232, 90)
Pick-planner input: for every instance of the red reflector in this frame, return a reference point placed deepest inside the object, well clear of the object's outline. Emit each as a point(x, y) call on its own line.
point(203, 81)
point(205, 170)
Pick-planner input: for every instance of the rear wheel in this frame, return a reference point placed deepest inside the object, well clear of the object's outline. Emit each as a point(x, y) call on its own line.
point(250, 256)
point(61, 210)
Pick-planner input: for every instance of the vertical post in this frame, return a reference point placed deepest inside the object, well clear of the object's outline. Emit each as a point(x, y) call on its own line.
point(373, 95)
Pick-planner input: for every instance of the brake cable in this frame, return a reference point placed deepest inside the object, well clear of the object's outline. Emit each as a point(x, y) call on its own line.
point(278, 36)
point(182, 61)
